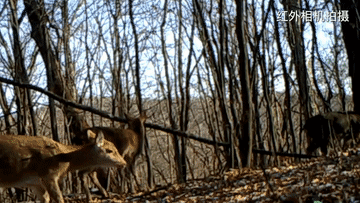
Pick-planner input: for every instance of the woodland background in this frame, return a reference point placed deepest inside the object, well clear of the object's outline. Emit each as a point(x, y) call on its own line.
point(227, 74)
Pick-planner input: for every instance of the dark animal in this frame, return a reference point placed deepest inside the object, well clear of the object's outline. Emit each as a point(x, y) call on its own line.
point(332, 126)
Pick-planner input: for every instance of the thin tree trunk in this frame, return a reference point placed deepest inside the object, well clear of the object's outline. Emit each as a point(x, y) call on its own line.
point(296, 42)
point(56, 82)
point(351, 35)
point(246, 136)
point(183, 118)
point(288, 124)
point(138, 95)
point(20, 72)
point(217, 71)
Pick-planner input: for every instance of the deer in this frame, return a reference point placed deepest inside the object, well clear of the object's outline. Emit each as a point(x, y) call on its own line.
point(129, 142)
point(331, 126)
point(38, 162)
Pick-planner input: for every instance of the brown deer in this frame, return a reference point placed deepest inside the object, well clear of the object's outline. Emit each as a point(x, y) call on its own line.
point(129, 142)
point(39, 162)
point(325, 128)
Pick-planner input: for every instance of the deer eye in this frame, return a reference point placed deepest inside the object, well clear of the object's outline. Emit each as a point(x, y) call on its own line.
point(109, 151)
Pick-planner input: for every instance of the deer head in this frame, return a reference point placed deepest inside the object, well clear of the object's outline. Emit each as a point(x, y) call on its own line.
point(39, 162)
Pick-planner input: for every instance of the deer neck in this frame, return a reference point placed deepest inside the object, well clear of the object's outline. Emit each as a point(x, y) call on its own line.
point(142, 140)
point(139, 129)
point(75, 156)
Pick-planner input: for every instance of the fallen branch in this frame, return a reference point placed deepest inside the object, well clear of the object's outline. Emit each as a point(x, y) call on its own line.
point(110, 116)
point(260, 151)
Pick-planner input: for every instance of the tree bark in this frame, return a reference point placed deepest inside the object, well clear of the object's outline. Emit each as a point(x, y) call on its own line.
point(246, 137)
point(56, 82)
point(351, 35)
point(21, 75)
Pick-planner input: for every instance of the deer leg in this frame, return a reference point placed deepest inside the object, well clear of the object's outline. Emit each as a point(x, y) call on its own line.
point(84, 180)
point(41, 194)
point(311, 148)
point(122, 180)
point(95, 180)
point(129, 180)
point(52, 186)
point(133, 173)
point(324, 150)
point(126, 180)
point(130, 176)
point(102, 178)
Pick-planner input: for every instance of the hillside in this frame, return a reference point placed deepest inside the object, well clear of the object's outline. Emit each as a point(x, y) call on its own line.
point(325, 179)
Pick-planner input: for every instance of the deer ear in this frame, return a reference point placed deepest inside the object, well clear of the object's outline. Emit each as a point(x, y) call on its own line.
point(100, 139)
point(90, 134)
point(143, 116)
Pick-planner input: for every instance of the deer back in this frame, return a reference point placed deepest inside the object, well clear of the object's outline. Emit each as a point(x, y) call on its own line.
point(21, 156)
point(27, 158)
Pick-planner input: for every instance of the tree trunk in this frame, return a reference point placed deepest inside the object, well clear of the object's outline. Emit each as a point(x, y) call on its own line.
point(351, 35)
point(246, 136)
point(138, 95)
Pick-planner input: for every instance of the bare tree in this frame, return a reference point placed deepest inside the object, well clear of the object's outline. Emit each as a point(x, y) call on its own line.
point(351, 36)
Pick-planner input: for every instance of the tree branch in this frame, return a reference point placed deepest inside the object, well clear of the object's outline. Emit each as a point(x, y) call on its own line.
point(110, 116)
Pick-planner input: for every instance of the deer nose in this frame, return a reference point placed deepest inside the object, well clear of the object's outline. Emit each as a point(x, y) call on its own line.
point(122, 163)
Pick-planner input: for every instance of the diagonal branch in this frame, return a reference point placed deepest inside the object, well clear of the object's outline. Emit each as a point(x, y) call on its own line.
point(110, 116)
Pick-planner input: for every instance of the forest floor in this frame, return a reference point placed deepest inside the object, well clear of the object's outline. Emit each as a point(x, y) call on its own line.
point(324, 179)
